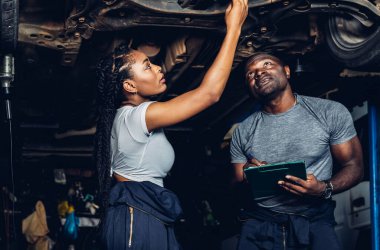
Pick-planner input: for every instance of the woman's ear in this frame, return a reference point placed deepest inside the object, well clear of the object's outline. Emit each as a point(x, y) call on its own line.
point(129, 86)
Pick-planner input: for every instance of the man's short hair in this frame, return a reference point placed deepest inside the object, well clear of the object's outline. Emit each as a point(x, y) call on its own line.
point(257, 55)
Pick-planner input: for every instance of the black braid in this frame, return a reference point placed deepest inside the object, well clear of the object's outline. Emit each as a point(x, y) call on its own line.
point(111, 72)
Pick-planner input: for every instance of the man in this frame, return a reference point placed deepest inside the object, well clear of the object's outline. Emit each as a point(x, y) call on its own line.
point(291, 127)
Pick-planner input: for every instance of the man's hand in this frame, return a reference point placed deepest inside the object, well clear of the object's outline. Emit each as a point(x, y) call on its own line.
point(253, 162)
point(310, 186)
point(239, 168)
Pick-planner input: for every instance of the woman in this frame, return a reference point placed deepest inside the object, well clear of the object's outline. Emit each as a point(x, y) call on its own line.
point(132, 147)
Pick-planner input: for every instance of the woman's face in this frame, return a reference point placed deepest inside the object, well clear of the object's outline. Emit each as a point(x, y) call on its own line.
point(147, 77)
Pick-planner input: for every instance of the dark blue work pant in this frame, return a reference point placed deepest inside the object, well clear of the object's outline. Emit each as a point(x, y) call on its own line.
point(322, 236)
point(140, 216)
point(143, 232)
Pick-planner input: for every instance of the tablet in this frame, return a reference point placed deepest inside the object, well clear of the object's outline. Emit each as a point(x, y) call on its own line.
point(263, 180)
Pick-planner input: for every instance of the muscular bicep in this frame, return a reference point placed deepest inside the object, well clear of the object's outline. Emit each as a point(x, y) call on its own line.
point(349, 155)
point(348, 152)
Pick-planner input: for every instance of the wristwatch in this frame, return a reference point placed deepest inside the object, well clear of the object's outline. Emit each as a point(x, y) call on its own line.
point(328, 190)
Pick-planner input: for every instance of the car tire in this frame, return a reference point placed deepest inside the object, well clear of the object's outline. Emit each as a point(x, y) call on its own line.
point(352, 43)
point(9, 25)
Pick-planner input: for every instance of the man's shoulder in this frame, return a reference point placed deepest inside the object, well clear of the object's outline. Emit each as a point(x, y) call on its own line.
point(252, 117)
point(249, 121)
point(320, 103)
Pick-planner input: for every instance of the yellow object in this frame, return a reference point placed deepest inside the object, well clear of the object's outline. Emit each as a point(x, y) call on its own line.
point(63, 208)
point(35, 228)
point(71, 209)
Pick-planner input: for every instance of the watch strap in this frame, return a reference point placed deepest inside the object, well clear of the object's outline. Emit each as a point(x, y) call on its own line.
point(328, 190)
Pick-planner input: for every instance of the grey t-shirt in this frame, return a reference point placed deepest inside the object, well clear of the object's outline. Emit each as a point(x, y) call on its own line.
point(304, 132)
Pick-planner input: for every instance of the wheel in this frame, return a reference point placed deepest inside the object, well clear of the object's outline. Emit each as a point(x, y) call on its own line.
point(353, 43)
point(9, 25)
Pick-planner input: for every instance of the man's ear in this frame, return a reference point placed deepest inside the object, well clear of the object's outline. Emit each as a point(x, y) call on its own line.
point(287, 71)
point(130, 86)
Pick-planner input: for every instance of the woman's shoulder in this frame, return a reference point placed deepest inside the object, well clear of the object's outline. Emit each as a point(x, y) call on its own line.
point(130, 108)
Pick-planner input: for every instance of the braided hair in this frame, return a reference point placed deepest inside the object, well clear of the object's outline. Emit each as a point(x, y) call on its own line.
point(111, 72)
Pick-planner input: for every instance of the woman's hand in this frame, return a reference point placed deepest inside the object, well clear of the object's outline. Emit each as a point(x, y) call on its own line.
point(236, 13)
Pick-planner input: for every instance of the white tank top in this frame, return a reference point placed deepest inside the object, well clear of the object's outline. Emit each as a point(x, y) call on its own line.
point(137, 154)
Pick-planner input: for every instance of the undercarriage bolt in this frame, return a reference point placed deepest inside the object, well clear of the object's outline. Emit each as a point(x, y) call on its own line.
point(263, 29)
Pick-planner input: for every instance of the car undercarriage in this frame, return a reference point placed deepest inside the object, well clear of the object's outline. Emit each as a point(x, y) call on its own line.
point(332, 47)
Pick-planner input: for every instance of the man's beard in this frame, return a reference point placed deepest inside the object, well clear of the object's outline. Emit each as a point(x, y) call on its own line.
point(271, 95)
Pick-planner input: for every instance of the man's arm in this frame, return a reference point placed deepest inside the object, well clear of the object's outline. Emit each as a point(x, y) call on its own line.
point(239, 168)
point(349, 156)
point(238, 172)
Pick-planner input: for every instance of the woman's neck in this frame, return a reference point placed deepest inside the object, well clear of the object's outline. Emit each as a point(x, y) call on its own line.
point(134, 101)
point(128, 103)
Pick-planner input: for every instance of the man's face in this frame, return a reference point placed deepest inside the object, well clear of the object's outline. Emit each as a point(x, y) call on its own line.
point(266, 77)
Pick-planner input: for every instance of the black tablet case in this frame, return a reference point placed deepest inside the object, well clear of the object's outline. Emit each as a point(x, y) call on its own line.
point(264, 179)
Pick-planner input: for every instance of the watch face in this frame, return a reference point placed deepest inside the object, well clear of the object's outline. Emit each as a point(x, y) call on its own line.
point(328, 190)
point(328, 193)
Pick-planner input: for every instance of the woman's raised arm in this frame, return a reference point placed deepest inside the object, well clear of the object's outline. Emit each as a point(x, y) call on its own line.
point(180, 108)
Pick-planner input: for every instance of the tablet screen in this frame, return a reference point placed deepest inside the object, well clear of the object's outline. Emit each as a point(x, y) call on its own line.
point(263, 180)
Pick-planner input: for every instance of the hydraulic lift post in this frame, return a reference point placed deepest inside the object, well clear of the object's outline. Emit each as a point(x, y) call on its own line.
point(374, 174)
